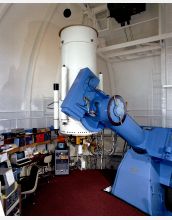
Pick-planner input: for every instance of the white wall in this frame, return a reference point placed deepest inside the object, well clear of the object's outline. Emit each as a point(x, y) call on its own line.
point(166, 27)
point(29, 58)
point(138, 82)
point(30, 61)
point(47, 70)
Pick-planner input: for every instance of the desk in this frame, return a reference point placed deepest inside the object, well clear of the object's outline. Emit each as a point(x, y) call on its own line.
point(39, 157)
point(24, 169)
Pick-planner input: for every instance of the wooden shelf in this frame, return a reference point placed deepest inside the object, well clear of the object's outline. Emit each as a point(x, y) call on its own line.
point(17, 149)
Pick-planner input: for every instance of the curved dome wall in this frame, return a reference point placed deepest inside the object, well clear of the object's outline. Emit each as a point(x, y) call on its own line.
point(30, 58)
point(30, 64)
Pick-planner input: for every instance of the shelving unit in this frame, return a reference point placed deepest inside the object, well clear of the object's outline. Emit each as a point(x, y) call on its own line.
point(17, 149)
point(143, 47)
point(126, 43)
point(21, 141)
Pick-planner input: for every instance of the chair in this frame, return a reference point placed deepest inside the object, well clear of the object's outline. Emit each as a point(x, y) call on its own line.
point(45, 166)
point(47, 161)
point(29, 183)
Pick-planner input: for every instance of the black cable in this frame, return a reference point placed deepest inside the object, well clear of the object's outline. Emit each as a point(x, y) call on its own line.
point(51, 103)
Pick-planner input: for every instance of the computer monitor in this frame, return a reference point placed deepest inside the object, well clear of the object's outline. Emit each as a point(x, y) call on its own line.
point(4, 165)
point(7, 181)
point(61, 145)
point(6, 177)
point(20, 155)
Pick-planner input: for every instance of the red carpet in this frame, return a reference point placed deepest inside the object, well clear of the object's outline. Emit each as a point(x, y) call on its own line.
point(78, 194)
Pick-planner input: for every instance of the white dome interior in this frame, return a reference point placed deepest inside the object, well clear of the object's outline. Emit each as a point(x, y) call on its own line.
point(135, 60)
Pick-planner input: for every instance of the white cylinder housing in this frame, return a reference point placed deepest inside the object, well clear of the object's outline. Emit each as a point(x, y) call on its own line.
point(78, 50)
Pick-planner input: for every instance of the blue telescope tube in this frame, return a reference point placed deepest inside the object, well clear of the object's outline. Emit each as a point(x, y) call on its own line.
point(130, 131)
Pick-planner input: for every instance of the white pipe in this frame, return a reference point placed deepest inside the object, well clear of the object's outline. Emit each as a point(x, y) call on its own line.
point(80, 149)
point(64, 89)
point(64, 82)
point(56, 106)
point(163, 82)
point(167, 86)
point(133, 51)
point(63, 117)
point(101, 81)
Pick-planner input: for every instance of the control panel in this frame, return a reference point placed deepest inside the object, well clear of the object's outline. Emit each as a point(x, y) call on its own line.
point(61, 161)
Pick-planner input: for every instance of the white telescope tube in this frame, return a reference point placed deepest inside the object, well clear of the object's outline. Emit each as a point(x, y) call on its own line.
point(56, 106)
point(78, 50)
